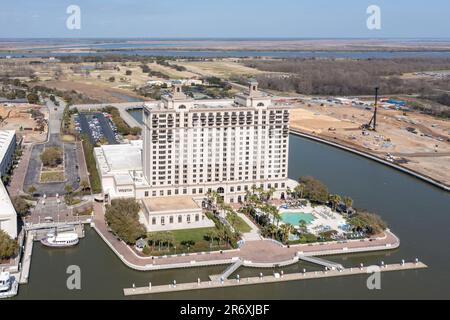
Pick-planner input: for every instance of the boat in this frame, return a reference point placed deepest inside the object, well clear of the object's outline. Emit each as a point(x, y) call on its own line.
point(60, 240)
point(8, 285)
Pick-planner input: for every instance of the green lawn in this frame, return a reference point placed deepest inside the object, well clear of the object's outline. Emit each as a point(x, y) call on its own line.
point(52, 176)
point(242, 226)
point(196, 235)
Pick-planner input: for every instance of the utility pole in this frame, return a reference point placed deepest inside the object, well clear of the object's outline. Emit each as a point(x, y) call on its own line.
point(373, 122)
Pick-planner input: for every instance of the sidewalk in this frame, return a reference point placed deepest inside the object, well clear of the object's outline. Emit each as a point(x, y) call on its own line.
point(17, 180)
point(254, 233)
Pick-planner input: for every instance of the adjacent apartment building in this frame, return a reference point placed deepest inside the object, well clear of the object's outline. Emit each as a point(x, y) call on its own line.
point(8, 215)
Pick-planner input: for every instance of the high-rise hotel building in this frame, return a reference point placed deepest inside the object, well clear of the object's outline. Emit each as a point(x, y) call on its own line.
point(193, 146)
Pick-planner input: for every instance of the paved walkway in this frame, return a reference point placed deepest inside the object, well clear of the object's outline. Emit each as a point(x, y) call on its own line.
point(17, 180)
point(259, 252)
point(254, 233)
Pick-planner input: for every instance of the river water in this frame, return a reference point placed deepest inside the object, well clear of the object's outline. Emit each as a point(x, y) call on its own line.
point(417, 212)
point(239, 54)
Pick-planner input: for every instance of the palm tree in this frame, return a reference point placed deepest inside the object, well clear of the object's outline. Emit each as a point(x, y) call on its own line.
point(302, 226)
point(211, 236)
point(348, 202)
point(32, 189)
point(286, 230)
point(68, 188)
point(84, 184)
point(335, 199)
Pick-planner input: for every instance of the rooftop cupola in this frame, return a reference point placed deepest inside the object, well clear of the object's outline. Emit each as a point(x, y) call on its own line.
point(253, 88)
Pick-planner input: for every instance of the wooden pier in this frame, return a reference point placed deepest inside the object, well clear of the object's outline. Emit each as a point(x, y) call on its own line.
point(268, 279)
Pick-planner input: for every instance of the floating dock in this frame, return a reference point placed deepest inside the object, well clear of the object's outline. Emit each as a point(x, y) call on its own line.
point(268, 279)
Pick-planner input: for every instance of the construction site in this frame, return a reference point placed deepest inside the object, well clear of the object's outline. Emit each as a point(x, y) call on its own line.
point(409, 138)
point(28, 120)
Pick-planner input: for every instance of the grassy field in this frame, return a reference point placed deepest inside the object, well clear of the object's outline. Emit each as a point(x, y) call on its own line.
point(219, 68)
point(52, 176)
point(197, 236)
point(68, 138)
point(94, 177)
point(242, 226)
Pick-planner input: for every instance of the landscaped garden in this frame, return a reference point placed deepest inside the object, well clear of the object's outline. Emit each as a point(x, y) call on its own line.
point(185, 241)
point(52, 165)
point(122, 217)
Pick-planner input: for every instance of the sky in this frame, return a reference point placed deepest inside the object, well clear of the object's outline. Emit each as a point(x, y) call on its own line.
point(224, 19)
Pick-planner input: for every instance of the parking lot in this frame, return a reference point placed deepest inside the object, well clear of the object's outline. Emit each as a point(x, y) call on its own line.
point(98, 126)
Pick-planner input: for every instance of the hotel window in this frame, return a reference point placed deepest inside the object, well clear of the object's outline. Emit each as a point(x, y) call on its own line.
point(188, 218)
point(153, 220)
point(162, 221)
point(180, 219)
point(146, 194)
point(169, 192)
point(161, 193)
point(197, 217)
point(171, 219)
point(154, 193)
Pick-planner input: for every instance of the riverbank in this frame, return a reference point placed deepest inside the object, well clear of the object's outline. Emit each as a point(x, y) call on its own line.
point(414, 173)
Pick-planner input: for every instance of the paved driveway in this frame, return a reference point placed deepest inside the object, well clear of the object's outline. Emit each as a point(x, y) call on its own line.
point(32, 176)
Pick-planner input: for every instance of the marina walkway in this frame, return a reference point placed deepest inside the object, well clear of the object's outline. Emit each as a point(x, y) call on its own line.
point(267, 279)
point(322, 262)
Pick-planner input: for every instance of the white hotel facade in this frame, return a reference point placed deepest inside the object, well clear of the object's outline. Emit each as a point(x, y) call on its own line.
point(192, 146)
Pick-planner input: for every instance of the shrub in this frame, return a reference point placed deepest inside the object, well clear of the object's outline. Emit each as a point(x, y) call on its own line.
point(123, 219)
point(8, 246)
point(52, 156)
point(314, 189)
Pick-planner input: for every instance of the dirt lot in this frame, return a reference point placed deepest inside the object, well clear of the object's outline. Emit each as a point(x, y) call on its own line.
point(17, 117)
point(426, 151)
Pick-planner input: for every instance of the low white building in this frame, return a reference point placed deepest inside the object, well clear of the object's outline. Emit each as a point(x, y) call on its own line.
point(120, 169)
point(8, 215)
point(174, 213)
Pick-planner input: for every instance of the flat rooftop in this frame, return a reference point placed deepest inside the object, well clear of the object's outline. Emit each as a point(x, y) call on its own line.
point(170, 203)
point(119, 157)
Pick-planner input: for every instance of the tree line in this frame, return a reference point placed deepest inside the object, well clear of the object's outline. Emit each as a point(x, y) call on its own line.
point(352, 76)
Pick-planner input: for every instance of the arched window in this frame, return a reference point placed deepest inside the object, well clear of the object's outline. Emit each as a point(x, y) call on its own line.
point(260, 104)
point(182, 106)
point(220, 190)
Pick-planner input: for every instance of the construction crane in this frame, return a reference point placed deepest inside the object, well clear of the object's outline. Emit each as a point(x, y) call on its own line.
point(372, 125)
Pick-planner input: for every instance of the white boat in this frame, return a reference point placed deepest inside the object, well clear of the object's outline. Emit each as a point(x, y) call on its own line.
point(60, 240)
point(8, 285)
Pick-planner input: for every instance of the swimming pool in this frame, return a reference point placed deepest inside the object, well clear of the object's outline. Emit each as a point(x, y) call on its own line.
point(294, 217)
